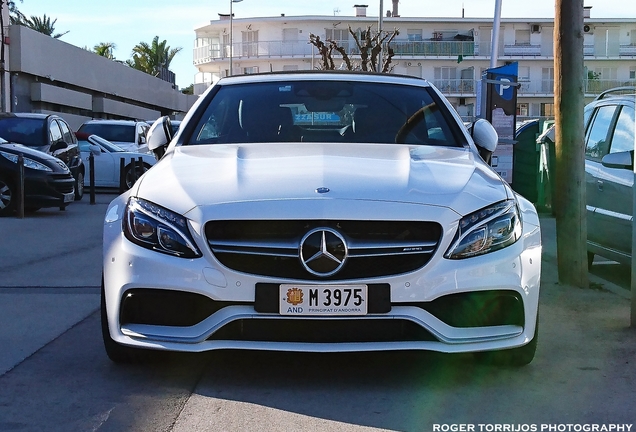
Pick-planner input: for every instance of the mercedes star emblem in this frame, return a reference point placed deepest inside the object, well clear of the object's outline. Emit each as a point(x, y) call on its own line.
point(323, 251)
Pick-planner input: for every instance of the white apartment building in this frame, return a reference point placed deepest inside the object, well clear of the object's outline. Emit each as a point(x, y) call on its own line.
point(452, 53)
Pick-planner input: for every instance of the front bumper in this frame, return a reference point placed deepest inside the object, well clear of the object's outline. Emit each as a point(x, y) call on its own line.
point(515, 269)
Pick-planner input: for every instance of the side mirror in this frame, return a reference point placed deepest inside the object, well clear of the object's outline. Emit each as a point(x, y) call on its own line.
point(142, 139)
point(95, 149)
point(58, 145)
point(547, 136)
point(159, 136)
point(620, 160)
point(485, 138)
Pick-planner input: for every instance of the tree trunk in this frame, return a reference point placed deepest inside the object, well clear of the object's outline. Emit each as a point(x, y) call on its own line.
point(569, 102)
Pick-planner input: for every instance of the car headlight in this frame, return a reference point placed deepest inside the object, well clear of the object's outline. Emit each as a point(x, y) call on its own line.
point(157, 228)
point(486, 230)
point(28, 162)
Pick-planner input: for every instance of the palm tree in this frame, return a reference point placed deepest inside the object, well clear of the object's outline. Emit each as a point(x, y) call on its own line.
point(15, 16)
point(43, 25)
point(152, 58)
point(105, 49)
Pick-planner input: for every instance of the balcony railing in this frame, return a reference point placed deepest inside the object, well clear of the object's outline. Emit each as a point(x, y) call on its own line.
point(433, 48)
point(467, 88)
point(627, 50)
point(461, 87)
point(522, 50)
point(596, 86)
point(209, 53)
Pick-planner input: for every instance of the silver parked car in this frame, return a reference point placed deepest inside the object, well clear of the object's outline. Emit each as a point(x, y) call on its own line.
point(609, 162)
point(609, 173)
point(322, 212)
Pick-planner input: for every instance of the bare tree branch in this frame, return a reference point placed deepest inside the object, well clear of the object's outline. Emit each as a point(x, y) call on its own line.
point(368, 44)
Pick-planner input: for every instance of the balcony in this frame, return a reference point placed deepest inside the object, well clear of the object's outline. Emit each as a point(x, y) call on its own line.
point(456, 87)
point(467, 88)
point(596, 86)
point(433, 48)
point(627, 50)
point(210, 53)
point(522, 50)
point(270, 49)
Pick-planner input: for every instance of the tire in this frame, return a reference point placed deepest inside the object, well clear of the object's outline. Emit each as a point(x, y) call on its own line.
point(128, 176)
point(7, 197)
point(116, 352)
point(79, 186)
point(517, 357)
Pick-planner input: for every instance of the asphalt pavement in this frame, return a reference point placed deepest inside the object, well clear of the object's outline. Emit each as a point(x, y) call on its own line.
point(50, 274)
point(50, 270)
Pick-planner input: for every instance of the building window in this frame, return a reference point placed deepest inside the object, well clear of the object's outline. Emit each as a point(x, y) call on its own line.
point(522, 37)
point(632, 72)
point(414, 35)
point(226, 45)
point(522, 110)
point(340, 36)
point(250, 70)
point(547, 80)
point(290, 35)
point(445, 79)
point(250, 43)
point(547, 110)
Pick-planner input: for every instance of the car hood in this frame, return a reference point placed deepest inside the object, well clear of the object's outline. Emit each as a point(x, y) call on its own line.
point(205, 175)
point(31, 152)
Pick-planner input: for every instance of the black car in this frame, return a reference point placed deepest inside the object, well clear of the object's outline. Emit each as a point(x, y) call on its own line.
point(47, 133)
point(47, 180)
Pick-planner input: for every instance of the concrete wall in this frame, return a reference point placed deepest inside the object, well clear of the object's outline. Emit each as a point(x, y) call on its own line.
point(53, 76)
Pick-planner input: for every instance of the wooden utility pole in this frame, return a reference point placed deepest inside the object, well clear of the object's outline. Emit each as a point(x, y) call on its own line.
point(569, 200)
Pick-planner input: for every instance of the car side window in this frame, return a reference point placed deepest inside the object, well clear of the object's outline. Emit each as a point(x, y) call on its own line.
point(623, 138)
point(597, 144)
point(66, 133)
point(55, 132)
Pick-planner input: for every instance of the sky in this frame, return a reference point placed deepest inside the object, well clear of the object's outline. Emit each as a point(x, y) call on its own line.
point(128, 22)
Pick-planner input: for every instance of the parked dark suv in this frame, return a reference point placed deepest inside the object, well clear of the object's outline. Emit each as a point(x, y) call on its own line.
point(47, 133)
point(609, 174)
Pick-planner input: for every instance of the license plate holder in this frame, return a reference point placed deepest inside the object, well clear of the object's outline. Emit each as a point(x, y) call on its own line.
point(323, 300)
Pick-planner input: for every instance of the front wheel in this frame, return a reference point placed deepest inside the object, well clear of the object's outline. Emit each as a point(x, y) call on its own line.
point(7, 197)
point(79, 186)
point(133, 173)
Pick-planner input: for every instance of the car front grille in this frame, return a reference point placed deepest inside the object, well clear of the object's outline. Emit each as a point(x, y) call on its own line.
point(323, 331)
point(272, 247)
point(63, 183)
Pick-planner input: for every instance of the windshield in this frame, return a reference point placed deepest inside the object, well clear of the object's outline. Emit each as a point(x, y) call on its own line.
point(107, 145)
point(27, 131)
point(326, 111)
point(110, 132)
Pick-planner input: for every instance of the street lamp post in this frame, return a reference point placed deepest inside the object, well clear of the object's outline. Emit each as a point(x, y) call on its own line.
point(231, 34)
